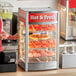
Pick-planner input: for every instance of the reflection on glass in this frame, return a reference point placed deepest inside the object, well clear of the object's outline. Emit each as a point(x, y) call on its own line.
point(42, 42)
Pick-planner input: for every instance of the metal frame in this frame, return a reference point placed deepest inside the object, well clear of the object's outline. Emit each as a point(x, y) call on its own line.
point(43, 65)
point(66, 23)
point(26, 43)
point(67, 11)
point(58, 37)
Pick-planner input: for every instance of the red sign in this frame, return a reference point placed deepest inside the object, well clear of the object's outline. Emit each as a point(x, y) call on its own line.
point(42, 17)
point(62, 2)
point(72, 3)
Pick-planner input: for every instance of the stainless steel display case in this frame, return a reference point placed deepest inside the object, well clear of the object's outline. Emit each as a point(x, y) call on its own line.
point(38, 43)
point(68, 19)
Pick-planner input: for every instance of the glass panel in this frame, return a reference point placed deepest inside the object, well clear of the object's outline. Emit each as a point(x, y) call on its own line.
point(21, 40)
point(63, 21)
point(42, 42)
point(72, 21)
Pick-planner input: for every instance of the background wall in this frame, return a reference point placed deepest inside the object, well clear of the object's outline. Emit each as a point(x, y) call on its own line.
point(32, 3)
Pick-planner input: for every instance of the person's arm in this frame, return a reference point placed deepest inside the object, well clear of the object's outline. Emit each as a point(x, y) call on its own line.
point(4, 35)
point(14, 37)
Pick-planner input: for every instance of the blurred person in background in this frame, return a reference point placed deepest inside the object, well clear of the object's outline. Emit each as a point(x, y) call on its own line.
point(4, 35)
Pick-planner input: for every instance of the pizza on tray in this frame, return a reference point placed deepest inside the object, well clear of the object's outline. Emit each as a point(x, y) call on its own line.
point(39, 36)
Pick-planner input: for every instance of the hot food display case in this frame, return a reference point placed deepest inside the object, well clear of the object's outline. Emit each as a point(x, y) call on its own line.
point(38, 32)
point(68, 19)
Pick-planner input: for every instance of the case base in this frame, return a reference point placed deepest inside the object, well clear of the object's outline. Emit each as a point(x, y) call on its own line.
point(38, 66)
point(8, 68)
